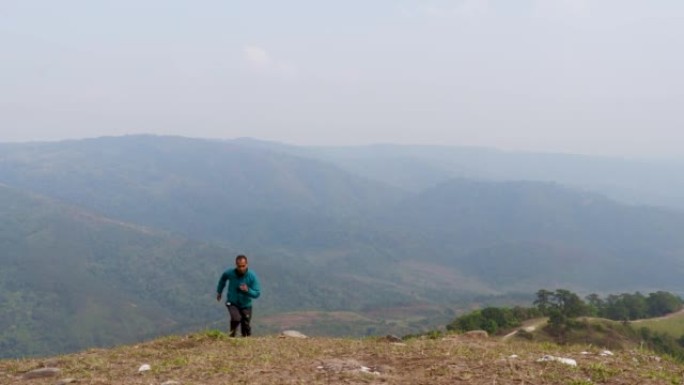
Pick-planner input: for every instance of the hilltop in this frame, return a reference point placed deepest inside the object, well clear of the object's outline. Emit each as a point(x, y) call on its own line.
point(211, 358)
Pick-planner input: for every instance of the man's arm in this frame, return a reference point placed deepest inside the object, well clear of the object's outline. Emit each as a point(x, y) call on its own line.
point(221, 285)
point(254, 290)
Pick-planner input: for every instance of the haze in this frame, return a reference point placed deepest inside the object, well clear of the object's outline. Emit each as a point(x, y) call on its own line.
point(593, 77)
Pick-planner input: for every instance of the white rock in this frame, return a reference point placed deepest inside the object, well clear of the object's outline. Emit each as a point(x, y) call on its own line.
point(144, 368)
point(566, 361)
point(606, 353)
point(366, 369)
point(293, 334)
point(171, 382)
point(513, 356)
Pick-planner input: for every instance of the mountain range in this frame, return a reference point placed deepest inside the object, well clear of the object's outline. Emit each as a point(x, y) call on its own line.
point(117, 239)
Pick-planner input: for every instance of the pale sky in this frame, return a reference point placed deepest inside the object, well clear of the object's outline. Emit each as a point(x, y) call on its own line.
point(579, 76)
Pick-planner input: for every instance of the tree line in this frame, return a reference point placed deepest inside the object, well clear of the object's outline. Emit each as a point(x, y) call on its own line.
point(620, 307)
point(562, 305)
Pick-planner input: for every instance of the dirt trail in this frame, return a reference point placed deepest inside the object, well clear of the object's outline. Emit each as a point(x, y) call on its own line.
point(528, 326)
point(532, 325)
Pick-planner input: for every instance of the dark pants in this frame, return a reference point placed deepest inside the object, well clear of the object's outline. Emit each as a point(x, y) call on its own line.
point(241, 317)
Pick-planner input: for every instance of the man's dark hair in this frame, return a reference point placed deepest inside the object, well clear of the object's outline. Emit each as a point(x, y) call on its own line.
point(240, 257)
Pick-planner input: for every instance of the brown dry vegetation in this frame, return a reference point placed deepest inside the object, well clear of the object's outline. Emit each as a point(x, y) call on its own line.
point(211, 358)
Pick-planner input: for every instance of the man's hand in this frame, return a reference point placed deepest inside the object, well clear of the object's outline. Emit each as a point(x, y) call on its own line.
point(218, 296)
point(244, 287)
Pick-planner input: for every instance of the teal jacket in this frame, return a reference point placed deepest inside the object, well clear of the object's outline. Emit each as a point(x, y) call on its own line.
point(235, 296)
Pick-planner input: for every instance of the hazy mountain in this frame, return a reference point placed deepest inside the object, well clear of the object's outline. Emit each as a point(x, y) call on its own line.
point(105, 240)
point(531, 234)
point(415, 168)
point(203, 188)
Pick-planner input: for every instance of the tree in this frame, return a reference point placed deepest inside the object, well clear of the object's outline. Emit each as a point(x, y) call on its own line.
point(596, 304)
point(471, 321)
point(524, 313)
point(616, 308)
point(662, 302)
point(636, 305)
point(569, 304)
point(543, 301)
point(501, 316)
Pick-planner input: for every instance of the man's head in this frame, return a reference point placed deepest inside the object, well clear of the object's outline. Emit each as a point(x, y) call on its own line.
point(241, 264)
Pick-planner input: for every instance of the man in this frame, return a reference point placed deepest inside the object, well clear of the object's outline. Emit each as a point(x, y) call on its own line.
point(243, 286)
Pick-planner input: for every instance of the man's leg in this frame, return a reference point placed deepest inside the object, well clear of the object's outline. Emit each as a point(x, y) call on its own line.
point(235, 318)
point(245, 327)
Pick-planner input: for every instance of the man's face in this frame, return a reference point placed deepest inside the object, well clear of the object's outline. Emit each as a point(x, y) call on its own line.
point(241, 266)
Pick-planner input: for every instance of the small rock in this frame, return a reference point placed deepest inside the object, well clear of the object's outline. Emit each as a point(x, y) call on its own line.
point(350, 365)
point(566, 361)
point(606, 353)
point(144, 368)
point(366, 369)
point(65, 381)
point(293, 334)
point(171, 382)
point(42, 373)
point(513, 356)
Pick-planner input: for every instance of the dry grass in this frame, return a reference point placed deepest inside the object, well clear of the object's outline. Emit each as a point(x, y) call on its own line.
point(672, 324)
point(211, 358)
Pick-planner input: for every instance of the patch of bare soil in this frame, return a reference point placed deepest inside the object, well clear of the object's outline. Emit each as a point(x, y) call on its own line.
point(528, 326)
point(211, 359)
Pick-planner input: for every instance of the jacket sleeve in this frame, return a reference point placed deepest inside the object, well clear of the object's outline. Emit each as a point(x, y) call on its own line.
point(255, 288)
point(222, 283)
